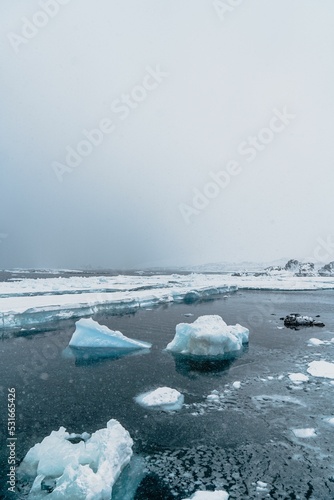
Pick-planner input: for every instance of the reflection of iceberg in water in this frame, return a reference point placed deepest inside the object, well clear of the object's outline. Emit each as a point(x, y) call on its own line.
point(90, 355)
point(189, 366)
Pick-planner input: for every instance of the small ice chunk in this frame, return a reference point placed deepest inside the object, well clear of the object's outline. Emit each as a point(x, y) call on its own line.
point(236, 384)
point(330, 420)
point(304, 433)
point(163, 398)
point(315, 342)
point(85, 470)
point(89, 333)
point(321, 369)
point(261, 486)
point(208, 336)
point(213, 398)
point(209, 495)
point(298, 378)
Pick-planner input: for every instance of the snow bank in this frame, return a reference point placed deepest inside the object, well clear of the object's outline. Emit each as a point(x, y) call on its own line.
point(86, 470)
point(208, 336)
point(89, 333)
point(163, 398)
point(209, 495)
point(321, 369)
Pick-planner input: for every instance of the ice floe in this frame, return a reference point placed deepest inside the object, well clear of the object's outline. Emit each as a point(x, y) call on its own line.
point(262, 487)
point(163, 398)
point(209, 495)
point(304, 433)
point(298, 378)
point(208, 336)
point(321, 369)
point(86, 470)
point(89, 333)
point(315, 342)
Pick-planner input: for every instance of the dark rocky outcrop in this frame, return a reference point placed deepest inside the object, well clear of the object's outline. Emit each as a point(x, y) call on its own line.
point(294, 320)
point(327, 269)
point(292, 265)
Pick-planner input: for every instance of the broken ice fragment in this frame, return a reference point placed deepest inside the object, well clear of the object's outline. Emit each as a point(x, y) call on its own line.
point(89, 333)
point(163, 398)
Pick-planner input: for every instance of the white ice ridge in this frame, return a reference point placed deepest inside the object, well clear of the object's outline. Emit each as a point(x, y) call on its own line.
point(163, 398)
point(321, 369)
point(27, 301)
point(208, 336)
point(32, 301)
point(89, 333)
point(209, 495)
point(82, 471)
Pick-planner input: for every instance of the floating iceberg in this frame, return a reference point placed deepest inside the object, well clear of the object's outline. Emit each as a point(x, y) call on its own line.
point(321, 369)
point(209, 495)
point(208, 336)
point(89, 333)
point(163, 398)
point(86, 470)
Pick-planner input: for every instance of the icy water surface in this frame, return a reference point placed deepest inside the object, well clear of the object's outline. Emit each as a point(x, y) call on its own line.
point(241, 435)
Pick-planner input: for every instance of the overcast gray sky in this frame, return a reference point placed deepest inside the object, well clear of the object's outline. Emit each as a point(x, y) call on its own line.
point(181, 90)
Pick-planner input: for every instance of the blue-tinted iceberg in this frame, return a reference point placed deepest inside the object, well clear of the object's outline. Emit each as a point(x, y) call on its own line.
point(163, 398)
point(89, 333)
point(86, 470)
point(208, 336)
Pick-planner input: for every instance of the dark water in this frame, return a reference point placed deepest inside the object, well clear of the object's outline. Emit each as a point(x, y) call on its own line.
point(244, 438)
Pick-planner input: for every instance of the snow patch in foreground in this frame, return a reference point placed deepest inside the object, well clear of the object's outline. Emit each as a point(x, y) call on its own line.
point(89, 333)
point(85, 471)
point(163, 398)
point(209, 495)
point(209, 335)
point(321, 369)
point(304, 433)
